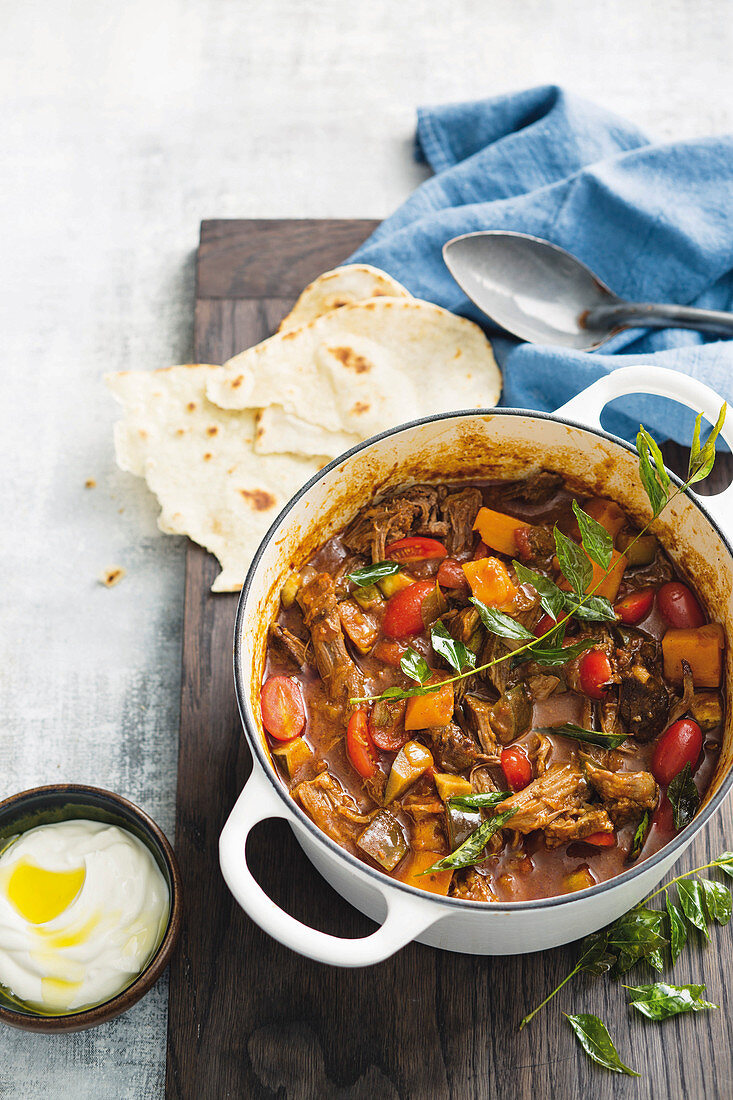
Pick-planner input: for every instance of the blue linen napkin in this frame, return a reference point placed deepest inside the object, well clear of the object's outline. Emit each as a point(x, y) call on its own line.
point(654, 221)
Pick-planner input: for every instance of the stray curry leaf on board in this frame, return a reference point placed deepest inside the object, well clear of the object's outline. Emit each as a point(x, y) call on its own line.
point(593, 1036)
point(659, 1001)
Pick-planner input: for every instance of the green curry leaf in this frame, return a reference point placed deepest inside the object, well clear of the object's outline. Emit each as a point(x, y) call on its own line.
point(659, 1001)
point(691, 899)
point(594, 609)
point(472, 849)
point(596, 540)
point(362, 578)
point(717, 900)
point(415, 666)
point(703, 458)
point(682, 793)
point(553, 656)
point(639, 837)
point(551, 597)
point(458, 656)
point(478, 801)
point(496, 622)
point(677, 930)
point(578, 733)
point(574, 563)
point(652, 472)
point(592, 1034)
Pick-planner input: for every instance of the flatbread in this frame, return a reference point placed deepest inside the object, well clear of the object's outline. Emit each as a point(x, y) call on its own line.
point(279, 431)
point(199, 461)
point(363, 368)
point(340, 287)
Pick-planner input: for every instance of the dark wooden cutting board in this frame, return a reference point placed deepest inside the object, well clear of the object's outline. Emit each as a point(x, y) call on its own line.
point(248, 1018)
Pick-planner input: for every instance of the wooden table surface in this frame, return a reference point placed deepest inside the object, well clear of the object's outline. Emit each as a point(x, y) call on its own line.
point(249, 1018)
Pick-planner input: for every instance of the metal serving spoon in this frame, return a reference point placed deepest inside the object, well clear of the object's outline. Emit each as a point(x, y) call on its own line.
point(541, 293)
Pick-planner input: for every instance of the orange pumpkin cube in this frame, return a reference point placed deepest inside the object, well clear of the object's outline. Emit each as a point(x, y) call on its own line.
point(428, 711)
point(702, 648)
point(497, 530)
point(490, 582)
point(411, 874)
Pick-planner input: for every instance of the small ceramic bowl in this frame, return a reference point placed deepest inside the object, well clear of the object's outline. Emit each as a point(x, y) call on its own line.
point(64, 802)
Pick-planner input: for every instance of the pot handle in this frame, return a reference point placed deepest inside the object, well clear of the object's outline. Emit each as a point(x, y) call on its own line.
point(588, 405)
point(406, 916)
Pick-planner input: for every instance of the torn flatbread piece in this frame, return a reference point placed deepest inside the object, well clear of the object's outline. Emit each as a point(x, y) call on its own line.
point(364, 368)
point(341, 287)
point(199, 461)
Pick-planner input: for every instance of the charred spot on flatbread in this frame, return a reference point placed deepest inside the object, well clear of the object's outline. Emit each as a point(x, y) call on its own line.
point(258, 499)
point(351, 359)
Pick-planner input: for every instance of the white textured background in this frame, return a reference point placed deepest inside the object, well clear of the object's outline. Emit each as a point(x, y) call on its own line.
point(123, 125)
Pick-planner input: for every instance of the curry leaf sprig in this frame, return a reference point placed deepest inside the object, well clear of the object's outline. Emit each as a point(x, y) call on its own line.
point(576, 565)
point(645, 934)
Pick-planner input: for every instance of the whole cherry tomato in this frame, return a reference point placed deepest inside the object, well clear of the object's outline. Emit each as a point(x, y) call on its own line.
point(595, 673)
point(403, 615)
point(415, 549)
point(679, 606)
point(359, 744)
point(283, 710)
point(516, 767)
point(636, 606)
point(546, 623)
point(451, 575)
point(679, 745)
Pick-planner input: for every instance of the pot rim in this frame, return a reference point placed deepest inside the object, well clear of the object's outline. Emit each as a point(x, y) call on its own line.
point(382, 880)
point(85, 1018)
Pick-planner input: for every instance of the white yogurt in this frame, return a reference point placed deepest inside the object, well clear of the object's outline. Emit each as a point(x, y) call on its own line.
point(83, 906)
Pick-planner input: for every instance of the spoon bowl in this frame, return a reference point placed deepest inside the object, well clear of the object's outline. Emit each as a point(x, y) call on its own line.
point(541, 293)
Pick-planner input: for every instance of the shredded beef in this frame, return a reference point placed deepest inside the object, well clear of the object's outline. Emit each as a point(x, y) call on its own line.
point(295, 647)
point(626, 795)
point(331, 807)
point(460, 511)
point(478, 712)
point(455, 749)
point(341, 676)
point(643, 695)
point(556, 802)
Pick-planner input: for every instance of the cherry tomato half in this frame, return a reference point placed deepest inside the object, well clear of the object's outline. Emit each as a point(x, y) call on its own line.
point(679, 606)
point(679, 745)
point(601, 840)
point(595, 673)
point(387, 724)
point(359, 744)
point(451, 575)
point(516, 767)
point(545, 624)
point(283, 709)
point(636, 606)
point(403, 616)
point(415, 549)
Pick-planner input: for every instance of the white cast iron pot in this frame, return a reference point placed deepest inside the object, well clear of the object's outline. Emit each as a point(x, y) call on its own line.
point(471, 444)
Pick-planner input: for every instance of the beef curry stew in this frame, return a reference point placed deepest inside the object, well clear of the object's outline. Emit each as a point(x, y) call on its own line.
point(550, 770)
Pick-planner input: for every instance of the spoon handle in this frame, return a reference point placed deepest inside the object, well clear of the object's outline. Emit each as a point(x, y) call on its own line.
point(652, 315)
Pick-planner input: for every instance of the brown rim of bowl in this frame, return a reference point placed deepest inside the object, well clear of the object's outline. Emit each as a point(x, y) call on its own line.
point(99, 1014)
